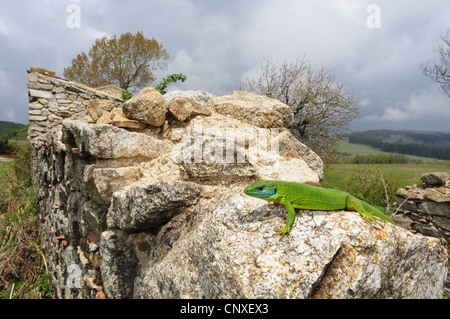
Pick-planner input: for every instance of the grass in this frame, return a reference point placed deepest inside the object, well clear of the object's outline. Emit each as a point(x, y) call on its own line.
point(358, 149)
point(336, 175)
point(23, 270)
point(6, 169)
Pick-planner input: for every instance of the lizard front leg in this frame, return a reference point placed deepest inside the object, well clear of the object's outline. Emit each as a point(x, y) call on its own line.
point(290, 221)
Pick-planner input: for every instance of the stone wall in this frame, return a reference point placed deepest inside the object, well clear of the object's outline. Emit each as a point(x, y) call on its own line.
point(425, 209)
point(53, 99)
point(133, 210)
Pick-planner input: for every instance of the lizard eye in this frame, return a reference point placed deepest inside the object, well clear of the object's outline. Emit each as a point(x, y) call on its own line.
point(260, 189)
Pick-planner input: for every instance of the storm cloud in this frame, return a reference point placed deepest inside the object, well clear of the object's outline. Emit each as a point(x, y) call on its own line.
point(215, 43)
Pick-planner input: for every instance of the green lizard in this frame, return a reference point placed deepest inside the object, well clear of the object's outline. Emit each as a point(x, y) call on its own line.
point(296, 195)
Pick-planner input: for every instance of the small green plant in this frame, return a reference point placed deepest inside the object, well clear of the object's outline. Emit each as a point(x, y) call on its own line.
point(126, 95)
point(44, 286)
point(172, 78)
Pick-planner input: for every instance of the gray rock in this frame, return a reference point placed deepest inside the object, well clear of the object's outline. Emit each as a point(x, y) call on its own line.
point(205, 156)
point(407, 204)
point(221, 146)
point(183, 108)
point(118, 213)
point(442, 222)
point(435, 179)
point(119, 264)
point(432, 208)
point(94, 216)
point(39, 86)
point(142, 206)
point(148, 106)
point(106, 141)
point(229, 251)
point(41, 94)
point(252, 108)
point(437, 196)
point(426, 229)
point(201, 97)
point(101, 183)
point(403, 221)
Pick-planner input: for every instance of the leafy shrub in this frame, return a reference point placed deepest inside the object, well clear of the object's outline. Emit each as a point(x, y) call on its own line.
point(5, 147)
point(369, 184)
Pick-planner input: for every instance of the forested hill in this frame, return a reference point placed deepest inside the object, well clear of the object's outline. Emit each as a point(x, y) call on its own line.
point(11, 130)
point(427, 144)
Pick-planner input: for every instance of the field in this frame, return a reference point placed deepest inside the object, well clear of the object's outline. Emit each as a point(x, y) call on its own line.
point(336, 175)
point(358, 149)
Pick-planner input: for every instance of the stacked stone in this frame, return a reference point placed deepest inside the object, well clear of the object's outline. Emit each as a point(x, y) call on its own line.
point(425, 209)
point(53, 99)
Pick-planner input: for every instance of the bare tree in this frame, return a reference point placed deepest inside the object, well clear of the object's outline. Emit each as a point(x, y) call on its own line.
point(322, 110)
point(440, 72)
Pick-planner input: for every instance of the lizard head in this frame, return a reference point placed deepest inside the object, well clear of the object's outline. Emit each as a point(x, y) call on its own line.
point(262, 189)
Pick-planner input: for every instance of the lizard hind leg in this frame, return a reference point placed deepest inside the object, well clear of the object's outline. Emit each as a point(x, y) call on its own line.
point(355, 204)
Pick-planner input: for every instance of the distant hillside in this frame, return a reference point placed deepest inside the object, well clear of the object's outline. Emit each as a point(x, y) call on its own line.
point(11, 130)
point(426, 144)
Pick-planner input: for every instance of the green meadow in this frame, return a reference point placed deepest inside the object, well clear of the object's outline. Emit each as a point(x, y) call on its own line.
point(359, 149)
point(336, 175)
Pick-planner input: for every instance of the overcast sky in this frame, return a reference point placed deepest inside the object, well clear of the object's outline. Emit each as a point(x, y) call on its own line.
point(376, 47)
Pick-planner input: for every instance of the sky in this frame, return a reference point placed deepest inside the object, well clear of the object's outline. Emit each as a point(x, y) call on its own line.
point(375, 47)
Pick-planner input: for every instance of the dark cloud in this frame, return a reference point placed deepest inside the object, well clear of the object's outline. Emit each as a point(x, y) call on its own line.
point(216, 42)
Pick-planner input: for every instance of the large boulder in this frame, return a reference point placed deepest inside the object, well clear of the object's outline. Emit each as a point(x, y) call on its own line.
point(183, 108)
point(104, 141)
point(225, 248)
point(148, 106)
point(101, 183)
point(254, 109)
point(221, 146)
point(145, 205)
